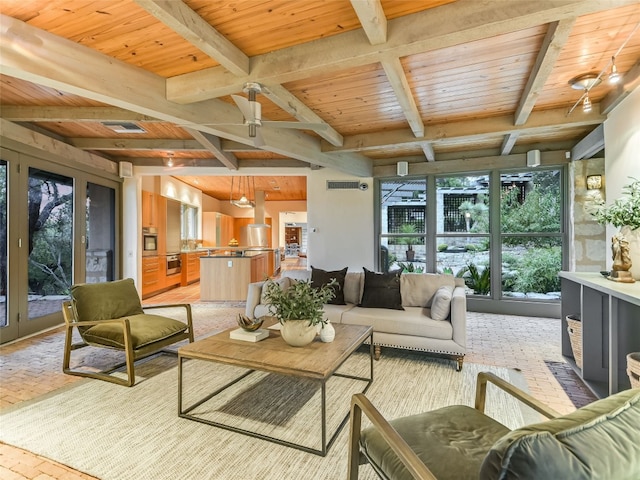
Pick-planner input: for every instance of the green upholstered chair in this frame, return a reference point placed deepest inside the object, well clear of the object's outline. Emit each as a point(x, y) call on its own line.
point(598, 441)
point(110, 315)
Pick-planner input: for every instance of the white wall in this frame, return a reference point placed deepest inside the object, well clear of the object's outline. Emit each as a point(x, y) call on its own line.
point(343, 223)
point(622, 150)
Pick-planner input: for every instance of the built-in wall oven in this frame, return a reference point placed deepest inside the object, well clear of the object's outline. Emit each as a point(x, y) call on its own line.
point(149, 241)
point(174, 264)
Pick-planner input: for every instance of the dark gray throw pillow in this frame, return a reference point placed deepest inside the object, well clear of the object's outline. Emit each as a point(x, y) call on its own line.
point(381, 290)
point(321, 277)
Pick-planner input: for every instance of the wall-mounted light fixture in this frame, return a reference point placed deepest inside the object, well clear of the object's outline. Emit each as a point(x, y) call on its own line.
point(594, 182)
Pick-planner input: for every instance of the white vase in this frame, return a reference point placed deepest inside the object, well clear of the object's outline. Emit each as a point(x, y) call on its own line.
point(298, 333)
point(633, 237)
point(328, 333)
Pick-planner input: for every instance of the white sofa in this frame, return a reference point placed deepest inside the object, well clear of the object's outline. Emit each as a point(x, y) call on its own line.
point(412, 328)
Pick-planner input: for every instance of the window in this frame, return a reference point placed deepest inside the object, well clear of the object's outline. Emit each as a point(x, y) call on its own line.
point(501, 231)
point(463, 230)
point(531, 234)
point(189, 227)
point(403, 225)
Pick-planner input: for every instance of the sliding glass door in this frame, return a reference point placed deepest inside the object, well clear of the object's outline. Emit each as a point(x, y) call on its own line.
point(58, 226)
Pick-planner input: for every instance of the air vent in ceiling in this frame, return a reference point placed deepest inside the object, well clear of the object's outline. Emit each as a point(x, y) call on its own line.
point(124, 127)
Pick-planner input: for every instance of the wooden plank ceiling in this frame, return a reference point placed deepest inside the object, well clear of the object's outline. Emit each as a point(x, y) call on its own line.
point(421, 81)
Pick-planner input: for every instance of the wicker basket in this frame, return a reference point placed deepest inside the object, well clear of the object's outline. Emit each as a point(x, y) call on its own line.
point(574, 327)
point(633, 369)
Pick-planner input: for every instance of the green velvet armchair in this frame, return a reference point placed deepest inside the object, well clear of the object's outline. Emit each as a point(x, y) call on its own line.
point(600, 440)
point(110, 315)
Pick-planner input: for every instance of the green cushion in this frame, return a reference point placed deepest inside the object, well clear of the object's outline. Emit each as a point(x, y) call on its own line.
point(599, 441)
point(145, 329)
point(428, 435)
point(106, 301)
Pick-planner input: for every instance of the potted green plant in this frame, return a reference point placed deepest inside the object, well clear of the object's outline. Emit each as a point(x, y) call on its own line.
point(298, 308)
point(409, 241)
point(624, 213)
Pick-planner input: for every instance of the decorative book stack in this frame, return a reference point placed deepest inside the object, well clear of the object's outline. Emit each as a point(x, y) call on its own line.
point(255, 336)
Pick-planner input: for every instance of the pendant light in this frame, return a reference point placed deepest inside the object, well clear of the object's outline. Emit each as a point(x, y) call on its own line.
point(243, 187)
point(614, 76)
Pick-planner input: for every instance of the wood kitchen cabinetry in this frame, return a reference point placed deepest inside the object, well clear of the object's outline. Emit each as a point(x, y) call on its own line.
point(217, 229)
point(149, 209)
point(190, 267)
point(151, 276)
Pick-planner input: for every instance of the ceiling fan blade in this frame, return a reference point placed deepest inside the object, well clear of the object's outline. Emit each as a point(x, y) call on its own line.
point(318, 127)
point(245, 107)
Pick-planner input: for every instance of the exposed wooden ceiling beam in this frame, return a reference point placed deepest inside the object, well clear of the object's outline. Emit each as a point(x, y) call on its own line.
point(427, 148)
point(454, 132)
point(189, 25)
point(72, 114)
point(508, 143)
point(398, 80)
point(452, 24)
point(518, 160)
point(372, 19)
point(292, 105)
point(81, 71)
point(60, 150)
point(554, 40)
point(589, 145)
point(145, 144)
point(212, 143)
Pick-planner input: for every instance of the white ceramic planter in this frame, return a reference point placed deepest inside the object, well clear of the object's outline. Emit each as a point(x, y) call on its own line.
point(298, 333)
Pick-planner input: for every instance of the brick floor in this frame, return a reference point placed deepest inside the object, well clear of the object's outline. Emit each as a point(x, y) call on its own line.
point(33, 366)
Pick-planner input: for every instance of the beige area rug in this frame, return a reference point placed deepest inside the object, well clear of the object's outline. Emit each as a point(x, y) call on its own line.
point(114, 432)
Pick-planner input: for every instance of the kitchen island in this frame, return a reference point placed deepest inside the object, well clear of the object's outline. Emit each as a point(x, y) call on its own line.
point(225, 273)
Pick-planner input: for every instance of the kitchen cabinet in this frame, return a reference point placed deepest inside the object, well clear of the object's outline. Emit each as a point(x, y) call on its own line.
point(149, 209)
point(190, 267)
point(217, 229)
point(151, 276)
point(227, 277)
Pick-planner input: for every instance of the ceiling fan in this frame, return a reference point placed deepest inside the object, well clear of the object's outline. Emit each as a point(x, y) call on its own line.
point(251, 110)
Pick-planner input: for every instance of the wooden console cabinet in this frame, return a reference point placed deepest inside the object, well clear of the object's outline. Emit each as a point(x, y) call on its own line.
point(610, 314)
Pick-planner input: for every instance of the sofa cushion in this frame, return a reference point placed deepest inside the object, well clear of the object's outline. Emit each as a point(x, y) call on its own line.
point(474, 434)
point(601, 440)
point(353, 283)
point(412, 321)
point(418, 289)
point(106, 301)
point(381, 290)
point(284, 282)
point(145, 329)
point(441, 303)
point(321, 277)
point(333, 313)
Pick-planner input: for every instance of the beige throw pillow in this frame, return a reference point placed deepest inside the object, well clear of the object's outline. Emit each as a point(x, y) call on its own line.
point(284, 282)
point(441, 304)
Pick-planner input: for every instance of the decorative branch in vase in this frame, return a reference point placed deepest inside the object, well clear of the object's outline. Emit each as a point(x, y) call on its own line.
point(623, 213)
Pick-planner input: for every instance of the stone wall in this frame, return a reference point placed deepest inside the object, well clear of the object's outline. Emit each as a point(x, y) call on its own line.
point(588, 244)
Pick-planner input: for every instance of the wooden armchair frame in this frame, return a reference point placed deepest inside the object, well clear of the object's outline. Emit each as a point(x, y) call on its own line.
point(131, 354)
point(361, 404)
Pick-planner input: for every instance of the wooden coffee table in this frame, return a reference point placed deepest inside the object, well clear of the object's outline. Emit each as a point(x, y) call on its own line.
point(317, 362)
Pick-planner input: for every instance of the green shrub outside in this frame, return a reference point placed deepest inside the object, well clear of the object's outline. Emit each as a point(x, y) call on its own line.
point(538, 271)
